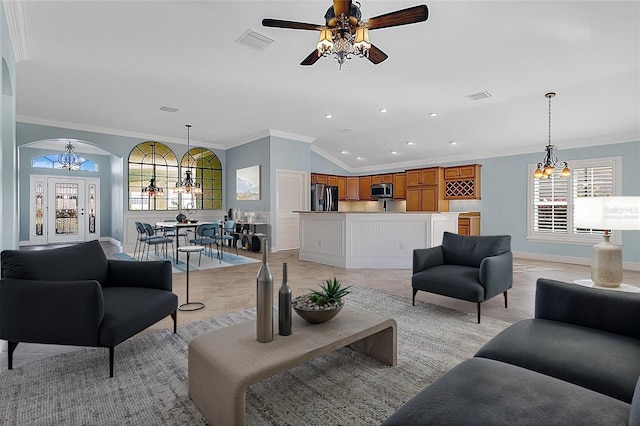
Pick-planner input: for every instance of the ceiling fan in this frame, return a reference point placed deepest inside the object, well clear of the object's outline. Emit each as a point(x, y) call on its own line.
point(345, 34)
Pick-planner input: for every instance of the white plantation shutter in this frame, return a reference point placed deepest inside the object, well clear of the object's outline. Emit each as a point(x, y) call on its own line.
point(551, 200)
point(595, 181)
point(550, 203)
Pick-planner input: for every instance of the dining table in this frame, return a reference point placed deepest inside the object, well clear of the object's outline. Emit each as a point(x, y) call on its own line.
point(177, 226)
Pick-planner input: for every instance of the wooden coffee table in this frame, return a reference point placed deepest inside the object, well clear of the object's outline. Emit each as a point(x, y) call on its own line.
point(223, 363)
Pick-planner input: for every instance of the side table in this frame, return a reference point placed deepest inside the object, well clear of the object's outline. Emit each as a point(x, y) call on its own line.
point(190, 306)
point(623, 287)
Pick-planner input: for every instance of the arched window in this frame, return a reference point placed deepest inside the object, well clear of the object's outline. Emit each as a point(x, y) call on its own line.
point(207, 171)
point(152, 160)
point(50, 161)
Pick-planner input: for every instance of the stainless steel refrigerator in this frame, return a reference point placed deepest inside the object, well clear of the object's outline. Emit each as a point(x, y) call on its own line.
point(324, 198)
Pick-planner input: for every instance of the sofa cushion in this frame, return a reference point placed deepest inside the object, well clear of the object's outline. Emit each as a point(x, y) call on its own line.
point(604, 362)
point(83, 261)
point(486, 392)
point(469, 250)
point(129, 310)
point(457, 281)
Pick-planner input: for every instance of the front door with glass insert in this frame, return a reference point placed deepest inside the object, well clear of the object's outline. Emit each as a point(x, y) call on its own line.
point(63, 210)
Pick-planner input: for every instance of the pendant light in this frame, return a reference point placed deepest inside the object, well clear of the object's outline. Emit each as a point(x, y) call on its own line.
point(69, 159)
point(545, 169)
point(152, 189)
point(188, 184)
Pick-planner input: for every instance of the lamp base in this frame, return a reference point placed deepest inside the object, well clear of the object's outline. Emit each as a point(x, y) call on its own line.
point(606, 264)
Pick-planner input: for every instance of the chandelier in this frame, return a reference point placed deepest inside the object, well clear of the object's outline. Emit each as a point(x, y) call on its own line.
point(152, 189)
point(69, 159)
point(344, 40)
point(187, 184)
point(545, 169)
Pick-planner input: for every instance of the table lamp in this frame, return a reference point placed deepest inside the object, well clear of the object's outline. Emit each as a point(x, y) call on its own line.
point(607, 213)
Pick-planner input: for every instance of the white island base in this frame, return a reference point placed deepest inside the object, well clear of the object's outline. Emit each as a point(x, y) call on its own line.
point(370, 240)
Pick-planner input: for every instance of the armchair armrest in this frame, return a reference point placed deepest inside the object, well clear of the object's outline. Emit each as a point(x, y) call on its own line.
point(611, 311)
point(60, 312)
point(140, 274)
point(496, 274)
point(427, 258)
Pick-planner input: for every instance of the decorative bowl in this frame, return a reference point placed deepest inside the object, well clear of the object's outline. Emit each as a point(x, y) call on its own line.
point(193, 220)
point(316, 316)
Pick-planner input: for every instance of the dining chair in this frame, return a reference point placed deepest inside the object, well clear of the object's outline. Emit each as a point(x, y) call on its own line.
point(175, 232)
point(155, 240)
point(228, 234)
point(206, 235)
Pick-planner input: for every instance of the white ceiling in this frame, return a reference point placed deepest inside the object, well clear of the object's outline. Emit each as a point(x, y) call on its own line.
point(108, 66)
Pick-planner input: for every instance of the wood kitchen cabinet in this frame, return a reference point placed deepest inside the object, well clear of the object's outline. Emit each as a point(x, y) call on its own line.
point(427, 198)
point(322, 179)
point(399, 186)
point(332, 180)
point(388, 178)
point(314, 178)
point(365, 188)
point(353, 189)
point(462, 182)
point(469, 225)
point(341, 183)
point(430, 176)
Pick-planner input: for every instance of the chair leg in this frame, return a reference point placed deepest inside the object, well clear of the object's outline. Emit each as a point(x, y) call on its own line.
point(505, 299)
point(12, 347)
point(479, 312)
point(111, 355)
point(174, 316)
point(413, 303)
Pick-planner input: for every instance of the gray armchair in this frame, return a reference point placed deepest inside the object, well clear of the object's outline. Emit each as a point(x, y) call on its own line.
point(76, 296)
point(473, 268)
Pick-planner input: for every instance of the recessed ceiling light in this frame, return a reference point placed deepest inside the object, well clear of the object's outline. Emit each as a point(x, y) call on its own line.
point(410, 143)
point(453, 143)
point(383, 110)
point(328, 116)
point(359, 158)
point(394, 152)
point(433, 114)
point(344, 152)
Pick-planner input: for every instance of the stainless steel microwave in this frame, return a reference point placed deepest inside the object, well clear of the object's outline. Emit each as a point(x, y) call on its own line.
point(381, 190)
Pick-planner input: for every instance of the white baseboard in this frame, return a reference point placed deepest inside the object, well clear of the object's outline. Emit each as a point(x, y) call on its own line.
point(631, 266)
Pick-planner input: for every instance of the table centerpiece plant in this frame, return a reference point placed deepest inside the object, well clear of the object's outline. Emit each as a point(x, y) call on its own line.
point(320, 306)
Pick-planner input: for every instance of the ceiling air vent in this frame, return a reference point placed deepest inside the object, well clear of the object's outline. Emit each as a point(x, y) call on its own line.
point(169, 109)
point(478, 96)
point(254, 40)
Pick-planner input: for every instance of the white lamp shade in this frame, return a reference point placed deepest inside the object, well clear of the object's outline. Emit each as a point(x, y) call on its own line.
point(620, 213)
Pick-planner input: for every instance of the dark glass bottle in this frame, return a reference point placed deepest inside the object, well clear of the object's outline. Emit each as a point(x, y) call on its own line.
point(284, 305)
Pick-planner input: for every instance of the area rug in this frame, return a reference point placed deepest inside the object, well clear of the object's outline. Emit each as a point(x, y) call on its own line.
point(150, 384)
point(228, 259)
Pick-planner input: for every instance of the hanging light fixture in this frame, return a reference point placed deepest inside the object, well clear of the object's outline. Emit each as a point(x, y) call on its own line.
point(345, 39)
point(545, 169)
point(187, 184)
point(69, 159)
point(152, 189)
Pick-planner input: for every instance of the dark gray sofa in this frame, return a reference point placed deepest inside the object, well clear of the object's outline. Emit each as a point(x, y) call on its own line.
point(76, 296)
point(576, 363)
point(473, 268)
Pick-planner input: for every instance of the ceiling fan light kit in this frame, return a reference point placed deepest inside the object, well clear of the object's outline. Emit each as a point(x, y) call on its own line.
point(344, 35)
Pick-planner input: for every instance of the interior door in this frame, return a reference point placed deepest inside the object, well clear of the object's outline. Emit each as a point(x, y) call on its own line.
point(291, 195)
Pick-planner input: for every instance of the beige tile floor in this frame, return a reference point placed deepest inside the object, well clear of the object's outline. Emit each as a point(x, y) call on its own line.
point(225, 290)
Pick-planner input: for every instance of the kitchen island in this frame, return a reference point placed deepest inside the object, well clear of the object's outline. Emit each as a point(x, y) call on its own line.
point(370, 240)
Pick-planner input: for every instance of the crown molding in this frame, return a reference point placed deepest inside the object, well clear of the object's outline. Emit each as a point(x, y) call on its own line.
point(17, 23)
point(268, 133)
point(331, 158)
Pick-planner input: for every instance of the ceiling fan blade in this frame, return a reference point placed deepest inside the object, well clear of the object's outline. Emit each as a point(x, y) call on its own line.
point(342, 6)
point(277, 23)
point(311, 59)
point(376, 55)
point(400, 17)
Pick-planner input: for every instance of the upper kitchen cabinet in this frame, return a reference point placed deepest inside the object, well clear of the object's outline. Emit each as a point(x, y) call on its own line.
point(399, 186)
point(353, 189)
point(332, 180)
point(430, 176)
point(388, 178)
point(365, 188)
point(322, 179)
point(341, 183)
point(462, 182)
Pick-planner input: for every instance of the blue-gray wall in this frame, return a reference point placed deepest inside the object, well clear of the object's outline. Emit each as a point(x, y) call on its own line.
point(247, 155)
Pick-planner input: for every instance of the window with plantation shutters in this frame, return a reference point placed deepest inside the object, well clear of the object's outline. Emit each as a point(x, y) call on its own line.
point(551, 200)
